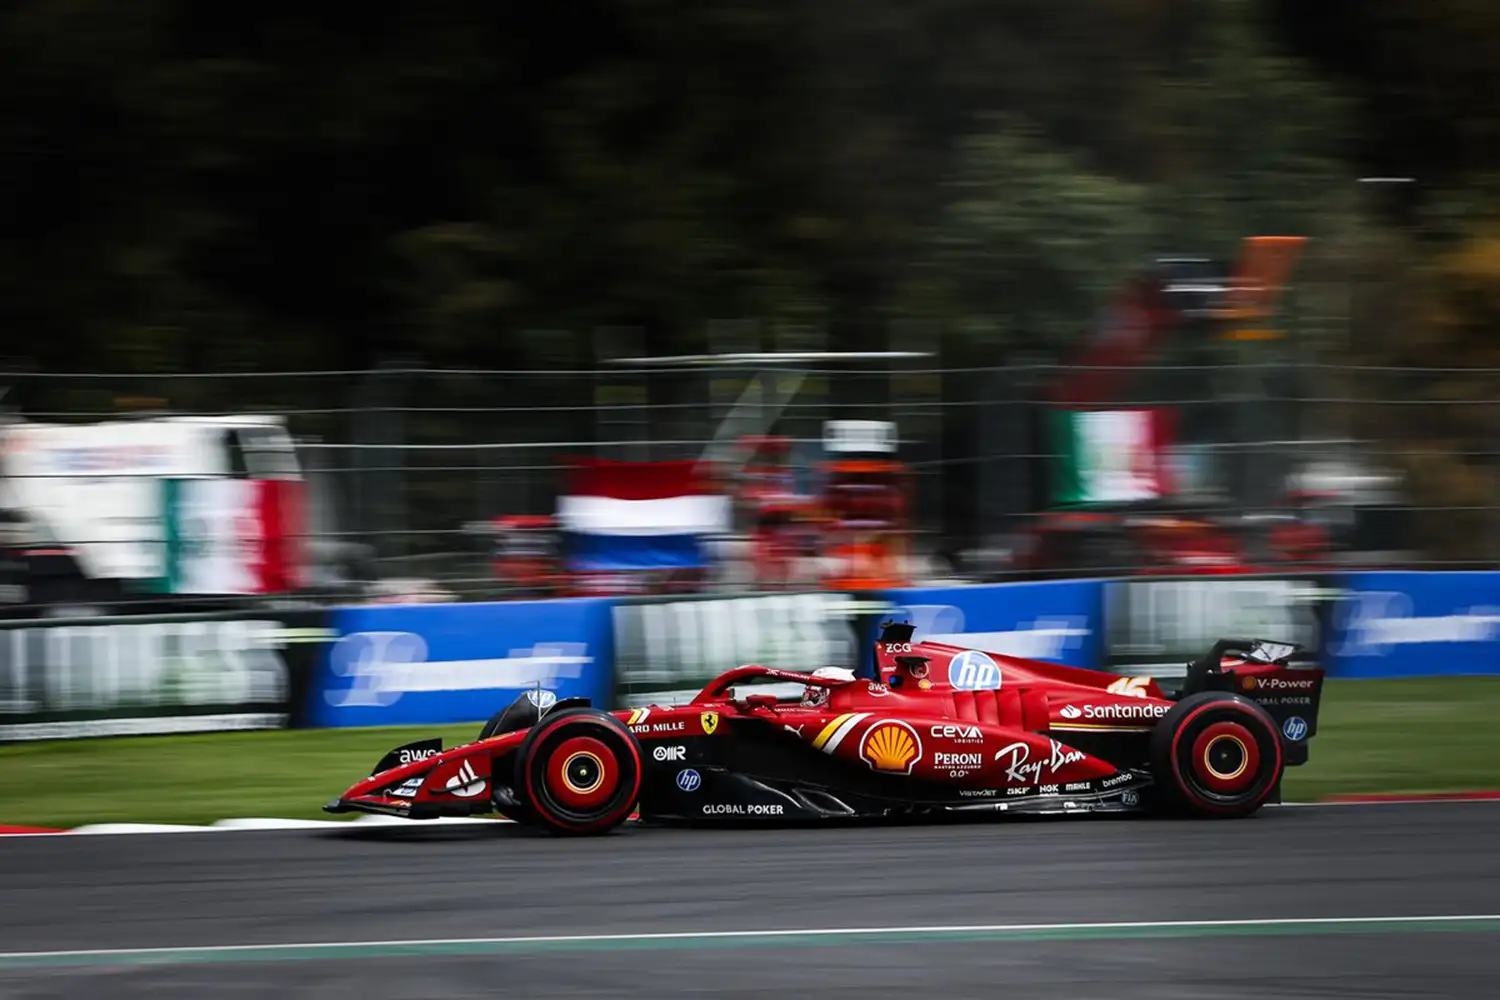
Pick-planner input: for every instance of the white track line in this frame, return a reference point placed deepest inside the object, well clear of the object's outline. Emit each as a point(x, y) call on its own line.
point(256, 823)
point(919, 931)
point(242, 824)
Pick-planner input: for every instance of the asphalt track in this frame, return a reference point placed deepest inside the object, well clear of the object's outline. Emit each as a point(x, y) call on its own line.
point(1265, 907)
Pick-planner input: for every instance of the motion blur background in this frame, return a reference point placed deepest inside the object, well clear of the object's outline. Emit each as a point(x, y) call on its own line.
point(363, 366)
point(456, 250)
point(475, 304)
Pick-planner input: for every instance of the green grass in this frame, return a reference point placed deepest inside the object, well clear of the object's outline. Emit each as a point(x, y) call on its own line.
point(193, 778)
point(1429, 735)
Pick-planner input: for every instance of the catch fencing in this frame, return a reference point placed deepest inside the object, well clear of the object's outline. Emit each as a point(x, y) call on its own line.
point(407, 463)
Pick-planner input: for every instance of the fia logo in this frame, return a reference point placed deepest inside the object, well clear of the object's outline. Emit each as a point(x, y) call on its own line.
point(688, 780)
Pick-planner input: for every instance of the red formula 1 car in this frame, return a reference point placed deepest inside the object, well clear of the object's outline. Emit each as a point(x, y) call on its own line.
point(945, 730)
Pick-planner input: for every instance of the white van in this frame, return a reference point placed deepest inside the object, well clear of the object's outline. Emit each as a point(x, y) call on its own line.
point(97, 488)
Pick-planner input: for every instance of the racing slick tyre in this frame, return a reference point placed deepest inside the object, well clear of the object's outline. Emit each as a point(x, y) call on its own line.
point(1216, 755)
point(579, 772)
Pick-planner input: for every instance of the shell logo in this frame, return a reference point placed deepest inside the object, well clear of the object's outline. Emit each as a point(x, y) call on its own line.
point(891, 746)
point(1248, 684)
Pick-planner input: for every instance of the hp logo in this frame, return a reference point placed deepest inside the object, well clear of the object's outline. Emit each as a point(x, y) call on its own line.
point(971, 670)
point(1295, 729)
point(688, 780)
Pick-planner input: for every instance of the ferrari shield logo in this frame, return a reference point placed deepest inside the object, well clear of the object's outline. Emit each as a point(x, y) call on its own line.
point(710, 722)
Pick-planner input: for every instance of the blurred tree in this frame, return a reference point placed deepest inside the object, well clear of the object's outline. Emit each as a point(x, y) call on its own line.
point(1032, 235)
point(211, 186)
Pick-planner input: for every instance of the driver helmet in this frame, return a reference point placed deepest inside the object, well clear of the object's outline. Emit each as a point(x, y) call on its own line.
point(816, 697)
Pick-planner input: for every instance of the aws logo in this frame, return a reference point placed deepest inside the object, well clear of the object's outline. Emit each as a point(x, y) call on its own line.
point(891, 746)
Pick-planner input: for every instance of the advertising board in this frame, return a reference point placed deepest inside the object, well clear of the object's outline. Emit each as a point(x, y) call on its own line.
point(427, 664)
point(68, 678)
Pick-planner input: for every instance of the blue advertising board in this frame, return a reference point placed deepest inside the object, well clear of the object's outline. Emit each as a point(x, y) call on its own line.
point(1058, 621)
point(425, 664)
point(1414, 624)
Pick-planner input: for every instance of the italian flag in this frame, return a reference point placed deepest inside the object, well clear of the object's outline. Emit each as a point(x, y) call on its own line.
point(1110, 456)
point(232, 536)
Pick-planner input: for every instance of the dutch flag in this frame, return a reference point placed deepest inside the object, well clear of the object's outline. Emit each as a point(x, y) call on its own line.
point(623, 516)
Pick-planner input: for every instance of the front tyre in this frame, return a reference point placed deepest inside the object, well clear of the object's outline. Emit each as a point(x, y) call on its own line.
point(579, 772)
point(1216, 755)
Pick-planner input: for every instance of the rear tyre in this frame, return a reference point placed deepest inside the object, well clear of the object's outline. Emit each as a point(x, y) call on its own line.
point(578, 772)
point(1216, 755)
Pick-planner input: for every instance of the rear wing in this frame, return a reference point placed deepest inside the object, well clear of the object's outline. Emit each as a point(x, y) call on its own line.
point(1262, 670)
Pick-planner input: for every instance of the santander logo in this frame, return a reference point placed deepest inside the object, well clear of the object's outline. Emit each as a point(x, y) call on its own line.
point(1130, 711)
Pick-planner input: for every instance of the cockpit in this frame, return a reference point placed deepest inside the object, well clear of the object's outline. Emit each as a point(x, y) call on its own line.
point(816, 696)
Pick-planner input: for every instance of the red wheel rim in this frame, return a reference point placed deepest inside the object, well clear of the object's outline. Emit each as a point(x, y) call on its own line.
point(582, 773)
point(1226, 758)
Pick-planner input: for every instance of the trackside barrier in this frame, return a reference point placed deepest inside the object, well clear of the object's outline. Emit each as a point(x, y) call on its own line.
point(67, 678)
point(1354, 625)
point(434, 664)
point(1156, 625)
point(1415, 624)
point(427, 664)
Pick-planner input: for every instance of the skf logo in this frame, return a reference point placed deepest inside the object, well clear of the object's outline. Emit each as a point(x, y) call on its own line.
point(710, 722)
point(891, 746)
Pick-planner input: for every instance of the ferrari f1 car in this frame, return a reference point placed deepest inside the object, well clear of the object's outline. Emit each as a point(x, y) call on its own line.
point(943, 730)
